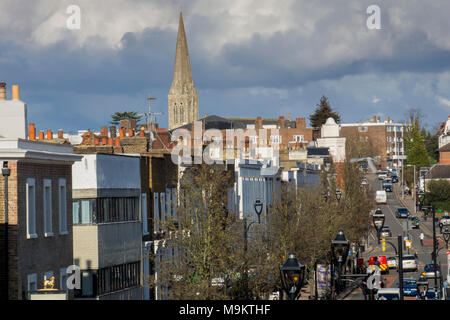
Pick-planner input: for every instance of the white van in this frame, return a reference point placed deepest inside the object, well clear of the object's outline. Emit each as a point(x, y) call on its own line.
point(381, 197)
point(388, 294)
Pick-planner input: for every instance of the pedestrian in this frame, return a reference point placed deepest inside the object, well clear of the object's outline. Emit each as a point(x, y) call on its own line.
point(422, 236)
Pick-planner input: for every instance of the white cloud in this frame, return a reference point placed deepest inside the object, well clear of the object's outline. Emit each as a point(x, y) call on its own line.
point(443, 101)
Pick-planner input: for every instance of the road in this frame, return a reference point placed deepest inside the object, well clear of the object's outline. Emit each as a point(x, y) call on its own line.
point(403, 227)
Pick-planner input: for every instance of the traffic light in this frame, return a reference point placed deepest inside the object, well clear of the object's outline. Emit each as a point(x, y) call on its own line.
point(383, 244)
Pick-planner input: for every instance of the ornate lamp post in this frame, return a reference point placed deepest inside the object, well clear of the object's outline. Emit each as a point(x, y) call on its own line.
point(422, 287)
point(292, 275)
point(339, 252)
point(258, 208)
point(378, 222)
point(338, 195)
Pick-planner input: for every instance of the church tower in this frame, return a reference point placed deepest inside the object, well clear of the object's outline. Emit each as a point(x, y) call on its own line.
point(183, 97)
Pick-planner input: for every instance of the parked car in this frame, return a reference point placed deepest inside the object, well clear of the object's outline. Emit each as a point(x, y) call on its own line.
point(428, 271)
point(409, 286)
point(381, 197)
point(392, 262)
point(382, 175)
point(394, 178)
point(415, 221)
point(364, 181)
point(388, 294)
point(431, 295)
point(409, 262)
point(385, 232)
point(444, 221)
point(402, 213)
point(387, 187)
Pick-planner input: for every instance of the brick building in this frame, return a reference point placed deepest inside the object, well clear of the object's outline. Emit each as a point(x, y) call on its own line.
point(39, 195)
point(384, 138)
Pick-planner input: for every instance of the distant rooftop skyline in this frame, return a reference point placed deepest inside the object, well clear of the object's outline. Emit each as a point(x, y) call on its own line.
point(249, 58)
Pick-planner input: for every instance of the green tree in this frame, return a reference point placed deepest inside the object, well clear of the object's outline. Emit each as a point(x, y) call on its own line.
point(415, 150)
point(431, 142)
point(127, 115)
point(322, 113)
point(438, 194)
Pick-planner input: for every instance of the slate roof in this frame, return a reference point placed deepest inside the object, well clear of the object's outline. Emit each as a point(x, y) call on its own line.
point(439, 171)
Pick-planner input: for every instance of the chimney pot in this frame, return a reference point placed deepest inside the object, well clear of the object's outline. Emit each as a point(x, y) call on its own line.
point(104, 141)
point(130, 132)
point(41, 135)
point(110, 141)
point(142, 132)
point(32, 131)
point(122, 132)
point(15, 92)
point(117, 142)
point(2, 91)
point(96, 141)
point(60, 134)
point(49, 135)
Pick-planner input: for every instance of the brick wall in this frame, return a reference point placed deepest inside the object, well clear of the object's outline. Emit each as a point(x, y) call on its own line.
point(42, 254)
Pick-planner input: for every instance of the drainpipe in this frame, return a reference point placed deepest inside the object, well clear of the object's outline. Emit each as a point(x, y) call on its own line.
point(6, 172)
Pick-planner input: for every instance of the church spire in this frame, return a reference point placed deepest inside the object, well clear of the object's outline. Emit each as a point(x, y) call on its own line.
point(182, 73)
point(183, 97)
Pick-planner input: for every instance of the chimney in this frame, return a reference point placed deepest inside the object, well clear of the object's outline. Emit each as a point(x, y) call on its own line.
point(15, 92)
point(112, 131)
point(374, 119)
point(32, 131)
point(388, 119)
point(60, 134)
point(104, 131)
point(258, 124)
point(117, 142)
point(41, 135)
point(300, 123)
point(2, 91)
point(104, 141)
point(122, 132)
point(142, 132)
point(49, 135)
point(281, 121)
point(110, 141)
point(96, 141)
point(130, 132)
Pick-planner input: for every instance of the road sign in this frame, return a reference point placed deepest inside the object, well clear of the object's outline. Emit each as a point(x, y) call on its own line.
point(408, 243)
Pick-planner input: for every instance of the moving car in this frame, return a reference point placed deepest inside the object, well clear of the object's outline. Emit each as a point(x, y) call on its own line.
point(381, 197)
point(409, 262)
point(428, 271)
point(394, 178)
point(387, 187)
point(444, 221)
point(392, 262)
point(402, 213)
point(385, 232)
point(364, 181)
point(388, 294)
point(409, 286)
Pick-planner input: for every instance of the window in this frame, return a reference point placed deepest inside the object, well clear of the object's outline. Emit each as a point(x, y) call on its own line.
point(388, 128)
point(62, 207)
point(32, 282)
point(31, 208)
point(105, 210)
point(275, 139)
point(48, 208)
point(298, 138)
point(144, 214)
point(389, 138)
point(253, 139)
point(363, 129)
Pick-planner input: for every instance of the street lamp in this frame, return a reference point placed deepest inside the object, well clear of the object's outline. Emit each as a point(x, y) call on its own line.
point(378, 222)
point(446, 236)
point(292, 275)
point(339, 252)
point(422, 287)
point(338, 195)
point(258, 208)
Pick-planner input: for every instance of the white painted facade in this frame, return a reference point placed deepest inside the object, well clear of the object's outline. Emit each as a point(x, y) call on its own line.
point(104, 171)
point(13, 119)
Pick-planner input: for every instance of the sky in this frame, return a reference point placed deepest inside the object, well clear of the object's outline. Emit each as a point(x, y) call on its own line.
point(249, 58)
